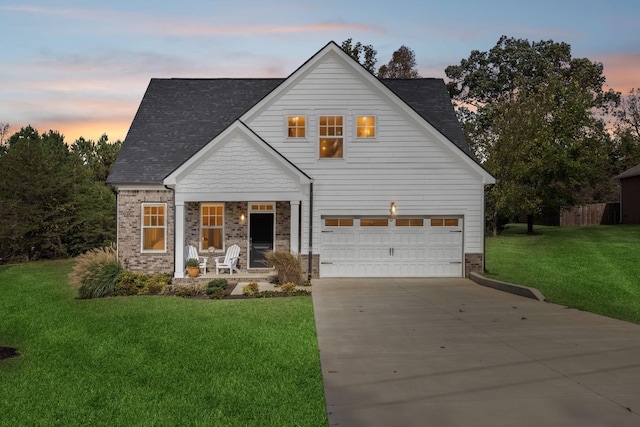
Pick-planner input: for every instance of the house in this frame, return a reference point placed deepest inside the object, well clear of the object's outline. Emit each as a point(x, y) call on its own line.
point(361, 177)
point(630, 195)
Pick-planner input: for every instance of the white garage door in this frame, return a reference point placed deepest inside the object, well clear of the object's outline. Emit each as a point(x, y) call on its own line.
point(381, 247)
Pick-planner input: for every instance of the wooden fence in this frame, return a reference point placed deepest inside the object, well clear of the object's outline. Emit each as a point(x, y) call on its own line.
point(593, 214)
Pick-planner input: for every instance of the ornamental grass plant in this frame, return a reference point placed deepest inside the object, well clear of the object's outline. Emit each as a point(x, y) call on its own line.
point(95, 272)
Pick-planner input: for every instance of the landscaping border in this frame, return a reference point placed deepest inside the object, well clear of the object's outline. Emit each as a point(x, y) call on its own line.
point(523, 291)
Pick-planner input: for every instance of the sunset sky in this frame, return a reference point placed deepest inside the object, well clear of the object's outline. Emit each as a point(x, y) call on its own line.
point(81, 67)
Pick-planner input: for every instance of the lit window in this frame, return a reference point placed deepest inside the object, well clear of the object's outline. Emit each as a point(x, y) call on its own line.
point(296, 126)
point(267, 207)
point(331, 137)
point(153, 227)
point(366, 127)
point(211, 226)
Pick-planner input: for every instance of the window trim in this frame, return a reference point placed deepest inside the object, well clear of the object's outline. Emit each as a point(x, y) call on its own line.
point(202, 227)
point(356, 127)
point(342, 136)
point(306, 128)
point(144, 227)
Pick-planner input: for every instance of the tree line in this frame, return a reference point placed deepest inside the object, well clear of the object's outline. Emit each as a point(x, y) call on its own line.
point(539, 120)
point(53, 198)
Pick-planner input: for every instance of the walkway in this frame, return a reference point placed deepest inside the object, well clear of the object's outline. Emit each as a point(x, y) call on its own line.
point(449, 352)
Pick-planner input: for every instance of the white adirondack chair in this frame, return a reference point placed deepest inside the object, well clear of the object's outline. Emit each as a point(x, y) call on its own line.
point(192, 252)
point(228, 261)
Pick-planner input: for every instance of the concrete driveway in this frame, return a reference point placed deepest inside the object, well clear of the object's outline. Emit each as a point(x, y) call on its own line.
point(449, 352)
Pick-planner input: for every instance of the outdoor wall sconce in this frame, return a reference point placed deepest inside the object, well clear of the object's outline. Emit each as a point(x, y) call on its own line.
point(242, 217)
point(392, 210)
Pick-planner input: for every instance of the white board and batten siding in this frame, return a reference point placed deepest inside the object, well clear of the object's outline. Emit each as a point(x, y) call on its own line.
point(408, 162)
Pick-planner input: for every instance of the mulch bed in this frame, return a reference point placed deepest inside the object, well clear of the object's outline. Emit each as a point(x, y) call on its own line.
point(7, 352)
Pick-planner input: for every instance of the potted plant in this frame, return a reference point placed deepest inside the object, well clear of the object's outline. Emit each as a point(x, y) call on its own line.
point(193, 267)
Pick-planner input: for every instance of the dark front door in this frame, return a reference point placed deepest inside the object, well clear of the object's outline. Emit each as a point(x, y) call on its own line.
point(260, 239)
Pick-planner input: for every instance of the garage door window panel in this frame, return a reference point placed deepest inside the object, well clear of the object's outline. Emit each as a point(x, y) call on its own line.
point(374, 222)
point(444, 222)
point(410, 222)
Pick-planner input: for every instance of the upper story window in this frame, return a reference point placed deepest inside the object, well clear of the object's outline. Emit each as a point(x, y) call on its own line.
point(296, 127)
point(331, 137)
point(365, 127)
point(211, 226)
point(154, 229)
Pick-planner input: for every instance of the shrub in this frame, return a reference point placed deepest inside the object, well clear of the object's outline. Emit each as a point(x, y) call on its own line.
point(130, 283)
point(157, 284)
point(288, 288)
point(95, 272)
point(217, 294)
point(251, 289)
point(287, 266)
point(216, 287)
point(188, 291)
point(217, 284)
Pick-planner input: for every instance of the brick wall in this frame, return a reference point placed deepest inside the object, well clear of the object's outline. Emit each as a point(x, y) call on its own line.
point(129, 231)
point(283, 226)
point(472, 264)
point(315, 267)
point(236, 230)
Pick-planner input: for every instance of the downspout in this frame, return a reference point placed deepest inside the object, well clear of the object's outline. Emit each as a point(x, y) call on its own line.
point(310, 261)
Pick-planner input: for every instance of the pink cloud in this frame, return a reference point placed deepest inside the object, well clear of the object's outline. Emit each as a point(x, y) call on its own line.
point(190, 29)
point(621, 70)
point(255, 30)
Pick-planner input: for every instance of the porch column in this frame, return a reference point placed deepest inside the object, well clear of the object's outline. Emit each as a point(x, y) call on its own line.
point(294, 243)
point(179, 241)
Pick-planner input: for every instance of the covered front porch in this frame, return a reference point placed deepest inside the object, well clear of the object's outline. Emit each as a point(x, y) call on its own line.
point(256, 227)
point(237, 190)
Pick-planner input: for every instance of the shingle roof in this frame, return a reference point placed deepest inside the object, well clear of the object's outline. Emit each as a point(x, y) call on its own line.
point(629, 173)
point(177, 117)
point(430, 99)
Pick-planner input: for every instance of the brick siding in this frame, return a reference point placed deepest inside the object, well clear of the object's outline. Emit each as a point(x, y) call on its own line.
point(473, 264)
point(129, 231)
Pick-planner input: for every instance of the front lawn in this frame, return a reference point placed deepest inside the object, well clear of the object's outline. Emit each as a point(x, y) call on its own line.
point(153, 360)
point(595, 269)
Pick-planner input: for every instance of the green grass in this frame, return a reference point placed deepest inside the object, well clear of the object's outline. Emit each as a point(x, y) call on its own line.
point(153, 361)
point(595, 269)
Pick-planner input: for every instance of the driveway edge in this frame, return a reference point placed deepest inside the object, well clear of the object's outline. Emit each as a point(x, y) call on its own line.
point(523, 291)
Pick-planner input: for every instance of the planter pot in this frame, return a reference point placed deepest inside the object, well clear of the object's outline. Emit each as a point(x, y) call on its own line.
point(193, 271)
